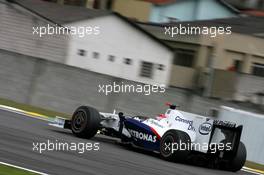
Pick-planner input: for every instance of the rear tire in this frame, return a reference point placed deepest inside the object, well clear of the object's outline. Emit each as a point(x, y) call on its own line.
point(85, 122)
point(178, 138)
point(239, 160)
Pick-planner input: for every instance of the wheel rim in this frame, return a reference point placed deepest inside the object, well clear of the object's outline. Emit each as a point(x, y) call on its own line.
point(166, 146)
point(78, 122)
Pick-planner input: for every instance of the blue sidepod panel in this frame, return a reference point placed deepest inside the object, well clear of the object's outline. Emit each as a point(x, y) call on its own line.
point(143, 135)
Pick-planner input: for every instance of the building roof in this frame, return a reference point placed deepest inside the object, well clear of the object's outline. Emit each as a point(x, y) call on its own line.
point(63, 14)
point(254, 12)
point(160, 2)
point(249, 25)
point(247, 4)
point(57, 13)
point(220, 2)
point(228, 6)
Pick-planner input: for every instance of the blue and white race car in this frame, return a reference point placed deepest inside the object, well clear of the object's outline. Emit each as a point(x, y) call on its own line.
point(192, 139)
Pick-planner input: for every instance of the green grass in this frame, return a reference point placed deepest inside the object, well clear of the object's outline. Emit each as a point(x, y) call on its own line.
point(254, 165)
point(6, 170)
point(30, 108)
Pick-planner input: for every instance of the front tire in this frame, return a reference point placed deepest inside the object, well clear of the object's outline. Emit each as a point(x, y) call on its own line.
point(175, 138)
point(85, 122)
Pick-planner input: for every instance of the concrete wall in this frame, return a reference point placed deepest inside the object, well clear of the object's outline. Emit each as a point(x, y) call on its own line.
point(178, 80)
point(247, 86)
point(223, 85)
point(62, 88)
point(252, 134)
point(16, 76)
point(230, 85)
point(47, 84)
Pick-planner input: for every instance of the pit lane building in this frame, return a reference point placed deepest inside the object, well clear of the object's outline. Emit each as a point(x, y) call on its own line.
point(226, 66)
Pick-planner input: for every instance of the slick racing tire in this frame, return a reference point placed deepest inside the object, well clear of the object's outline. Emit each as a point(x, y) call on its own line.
point(170, 146)
point(239, 160)
point(85, 122)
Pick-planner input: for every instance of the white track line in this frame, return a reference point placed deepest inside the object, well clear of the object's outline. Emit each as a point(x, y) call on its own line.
point(21, 112)
point(21, 168)
point(249, 170)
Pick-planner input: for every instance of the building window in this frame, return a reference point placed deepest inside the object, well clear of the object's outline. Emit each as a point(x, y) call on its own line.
point(75, 2)
point(237, 65)
point(160, 67)
point(111, 58)
point(127, 61)
point(96, 4)
point(95, 55)
point(258, 69)
point(260, 4)
point(146, 69)
point(81, 52)
point(184, 58)
point(172, 19)
point(209, 56)
point(109, 4)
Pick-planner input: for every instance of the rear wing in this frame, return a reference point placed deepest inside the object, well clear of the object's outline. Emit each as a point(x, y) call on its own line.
point(232, 135)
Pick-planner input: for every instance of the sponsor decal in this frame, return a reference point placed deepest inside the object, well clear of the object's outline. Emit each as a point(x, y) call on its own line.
point(143, 136)
point(189, 122)
point(59, 121)
point(205, 128)
point(156, 123)
point(224, 123)
point(191, 127)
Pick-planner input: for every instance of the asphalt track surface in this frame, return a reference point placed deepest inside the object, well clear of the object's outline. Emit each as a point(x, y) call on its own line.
point(17, 134)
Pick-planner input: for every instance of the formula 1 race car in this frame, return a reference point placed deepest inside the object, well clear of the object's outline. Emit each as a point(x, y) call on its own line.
point(176, 137)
